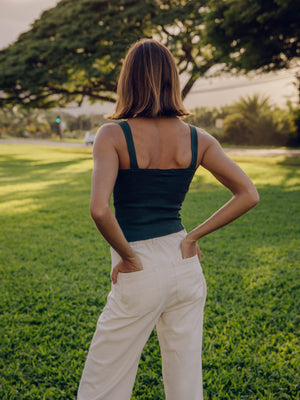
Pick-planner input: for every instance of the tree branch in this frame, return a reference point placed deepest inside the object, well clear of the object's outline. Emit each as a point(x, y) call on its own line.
point(195, 74)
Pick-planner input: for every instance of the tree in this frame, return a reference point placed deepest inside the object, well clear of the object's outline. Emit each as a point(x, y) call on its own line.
point(76, 49)
point(253, 34)
point(256, 34)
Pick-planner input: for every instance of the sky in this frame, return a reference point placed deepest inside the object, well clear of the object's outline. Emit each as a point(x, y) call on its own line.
point(17, 16)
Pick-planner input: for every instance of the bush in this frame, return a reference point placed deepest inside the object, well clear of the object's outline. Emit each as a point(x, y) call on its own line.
point(250, 121)
point(255, 122)
point(19, 122)
point(205, 118)
point(15, 121)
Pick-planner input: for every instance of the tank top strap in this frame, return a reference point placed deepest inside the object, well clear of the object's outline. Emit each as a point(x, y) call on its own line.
point(130, 145)
point(194, 141)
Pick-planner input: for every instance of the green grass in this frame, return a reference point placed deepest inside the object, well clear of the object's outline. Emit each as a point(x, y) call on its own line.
point(55, 279)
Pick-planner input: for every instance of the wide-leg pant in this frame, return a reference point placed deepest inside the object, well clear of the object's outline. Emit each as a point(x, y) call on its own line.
point(170, 293)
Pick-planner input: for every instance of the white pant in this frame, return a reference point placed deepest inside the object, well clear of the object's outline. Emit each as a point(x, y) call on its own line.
point(170, 293)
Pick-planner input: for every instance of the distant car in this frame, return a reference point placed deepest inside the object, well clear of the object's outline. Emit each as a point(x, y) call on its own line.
point(89, 138)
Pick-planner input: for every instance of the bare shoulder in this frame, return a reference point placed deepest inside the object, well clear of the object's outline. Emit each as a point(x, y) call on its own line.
point(206, 142)
point(107, 135)
point(107, 132)
point(205, 139)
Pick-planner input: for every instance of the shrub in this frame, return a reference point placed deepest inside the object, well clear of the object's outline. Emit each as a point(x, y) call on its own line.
point(205, 118)
point(16, 121)
point(255, 122)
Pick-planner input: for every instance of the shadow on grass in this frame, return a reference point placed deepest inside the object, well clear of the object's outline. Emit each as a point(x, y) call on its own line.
point(17, 168)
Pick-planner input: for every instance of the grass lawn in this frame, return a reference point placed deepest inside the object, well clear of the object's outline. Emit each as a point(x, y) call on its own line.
point(55, 279)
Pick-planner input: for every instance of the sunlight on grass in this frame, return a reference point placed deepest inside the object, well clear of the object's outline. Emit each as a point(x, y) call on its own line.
point(262, 170)
point(27, 188)
point(31, 174)
point(43, 153)
point(15, 207)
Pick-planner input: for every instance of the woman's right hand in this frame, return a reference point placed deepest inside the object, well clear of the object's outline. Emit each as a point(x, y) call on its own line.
point(189, 248)
point(126, 266)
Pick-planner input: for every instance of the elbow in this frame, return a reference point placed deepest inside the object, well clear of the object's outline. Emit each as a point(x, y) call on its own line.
point(257, 198)
point(99, 213)
point(249, 197)
point(253, 197)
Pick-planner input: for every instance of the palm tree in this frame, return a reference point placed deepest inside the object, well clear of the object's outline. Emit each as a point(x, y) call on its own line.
point(252, 122)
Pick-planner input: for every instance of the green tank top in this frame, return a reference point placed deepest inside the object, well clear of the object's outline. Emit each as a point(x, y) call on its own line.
point(148, 201)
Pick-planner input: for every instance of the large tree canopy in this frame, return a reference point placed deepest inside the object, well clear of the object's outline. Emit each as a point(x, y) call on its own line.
point(76, 49)
point(255, 34)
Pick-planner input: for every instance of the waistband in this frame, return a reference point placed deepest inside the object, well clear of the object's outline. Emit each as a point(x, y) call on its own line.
point(180, 234)
point(162, 249)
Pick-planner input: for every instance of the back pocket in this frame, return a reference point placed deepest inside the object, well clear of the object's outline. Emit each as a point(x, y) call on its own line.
point(190, 282)
point(139, 291)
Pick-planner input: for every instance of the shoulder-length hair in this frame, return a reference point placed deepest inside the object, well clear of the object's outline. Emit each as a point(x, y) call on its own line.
point(148, 85)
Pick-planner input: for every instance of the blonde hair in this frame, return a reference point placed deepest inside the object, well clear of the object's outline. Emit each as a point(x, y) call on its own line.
point(148, 85)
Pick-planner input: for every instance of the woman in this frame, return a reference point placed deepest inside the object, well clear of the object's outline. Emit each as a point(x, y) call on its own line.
point(148, 162)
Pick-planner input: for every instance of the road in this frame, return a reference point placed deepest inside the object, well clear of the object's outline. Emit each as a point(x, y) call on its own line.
point(243, 151)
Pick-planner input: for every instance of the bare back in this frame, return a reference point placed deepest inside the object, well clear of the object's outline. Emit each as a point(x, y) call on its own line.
point(160, 143)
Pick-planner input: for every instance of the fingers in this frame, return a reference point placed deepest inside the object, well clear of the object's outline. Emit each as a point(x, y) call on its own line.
point(198, 252)
point(125, 267)
point(189, 249)
point(114, 275)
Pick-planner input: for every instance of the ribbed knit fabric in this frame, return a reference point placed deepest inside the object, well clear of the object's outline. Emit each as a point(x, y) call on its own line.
point(148, 201)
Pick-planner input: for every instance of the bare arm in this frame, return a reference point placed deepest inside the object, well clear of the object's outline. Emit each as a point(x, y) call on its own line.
point(106, 166)
point(244, 195)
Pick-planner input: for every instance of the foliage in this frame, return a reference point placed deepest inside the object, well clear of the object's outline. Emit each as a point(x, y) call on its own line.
point(295, 135)
point(85, 122)
point(15, 121)
point(254, 121)
point(76, 50)
point(252, 34)
point(203, 116)
point(34, 123)
point(55, 279)
point(250, 121)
